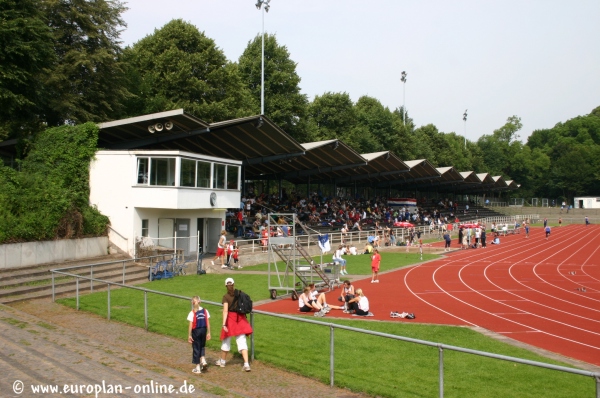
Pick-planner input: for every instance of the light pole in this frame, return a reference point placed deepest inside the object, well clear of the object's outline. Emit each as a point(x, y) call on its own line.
point(403, 80)
point(264, 5)
point(465, 119)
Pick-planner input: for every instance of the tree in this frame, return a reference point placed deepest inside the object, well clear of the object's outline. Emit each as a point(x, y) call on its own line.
point(499, 148)
point(179, 67)
point(85, 82)
point(332, 115)
point(25, 50)
point(284, 104)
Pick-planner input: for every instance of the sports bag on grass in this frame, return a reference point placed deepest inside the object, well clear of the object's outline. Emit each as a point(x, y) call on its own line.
point(242, 303)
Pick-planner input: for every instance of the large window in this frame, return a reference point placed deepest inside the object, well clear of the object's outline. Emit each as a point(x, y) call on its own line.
point(162, 171)
point(219, 176)
point(203, 175)
point(193, 173)
point(232, 177)
point(145, 228)
point(187, 176)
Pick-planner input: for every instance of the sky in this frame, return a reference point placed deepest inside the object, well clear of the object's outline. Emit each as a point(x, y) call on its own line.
point(536, 59)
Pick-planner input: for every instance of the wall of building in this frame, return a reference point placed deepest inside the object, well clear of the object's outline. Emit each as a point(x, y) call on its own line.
point(114, 190)
point(586, 203)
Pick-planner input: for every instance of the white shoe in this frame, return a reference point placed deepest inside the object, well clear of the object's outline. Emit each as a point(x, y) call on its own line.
point(220, 363)
point(376, 280)
point(246, 368)
point(372, 281)
point(212, 263)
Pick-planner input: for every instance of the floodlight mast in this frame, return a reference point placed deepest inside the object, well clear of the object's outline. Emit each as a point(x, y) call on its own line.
point(465, 119)
point(264, 5)
point(403, 80)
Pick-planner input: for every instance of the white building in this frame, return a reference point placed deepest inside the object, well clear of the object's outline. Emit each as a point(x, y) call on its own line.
point(586, 202)
point(162, 194)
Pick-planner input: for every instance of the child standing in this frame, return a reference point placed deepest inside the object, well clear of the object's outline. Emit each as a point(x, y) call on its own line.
point(198, 333)
point(236, 257)
point(230, 248)
point(375, 263)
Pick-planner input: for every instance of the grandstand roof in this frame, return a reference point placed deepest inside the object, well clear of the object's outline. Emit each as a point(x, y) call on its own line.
point(268, 152)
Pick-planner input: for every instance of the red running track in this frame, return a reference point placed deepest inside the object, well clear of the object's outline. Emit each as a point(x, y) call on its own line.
point(545, 293)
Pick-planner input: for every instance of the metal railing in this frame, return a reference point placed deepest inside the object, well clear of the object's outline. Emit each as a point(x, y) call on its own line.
point(441, 347)
point(401, 234)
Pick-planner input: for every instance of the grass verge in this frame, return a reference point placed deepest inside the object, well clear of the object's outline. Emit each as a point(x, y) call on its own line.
point(374, 365)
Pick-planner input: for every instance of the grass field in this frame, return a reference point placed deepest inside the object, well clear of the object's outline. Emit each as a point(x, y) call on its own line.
point(375, 365)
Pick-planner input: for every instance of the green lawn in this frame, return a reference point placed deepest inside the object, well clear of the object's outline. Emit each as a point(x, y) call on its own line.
point(361, 264)
point(375, 365)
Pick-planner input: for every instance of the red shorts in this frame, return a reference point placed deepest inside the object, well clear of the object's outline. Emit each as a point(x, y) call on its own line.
point(220, 252)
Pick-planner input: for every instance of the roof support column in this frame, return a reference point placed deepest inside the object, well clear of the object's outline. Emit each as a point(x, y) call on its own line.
point(280, 194)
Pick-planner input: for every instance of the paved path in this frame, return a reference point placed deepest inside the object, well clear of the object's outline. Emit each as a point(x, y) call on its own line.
point(47, 343)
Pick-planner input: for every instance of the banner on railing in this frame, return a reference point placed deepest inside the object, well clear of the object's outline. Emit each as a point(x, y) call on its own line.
point(402, 202)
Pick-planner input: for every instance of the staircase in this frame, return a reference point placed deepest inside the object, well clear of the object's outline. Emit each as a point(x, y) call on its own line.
point(19, 284)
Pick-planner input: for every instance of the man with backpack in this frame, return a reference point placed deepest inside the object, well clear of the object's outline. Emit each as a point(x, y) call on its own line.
point(235, 323)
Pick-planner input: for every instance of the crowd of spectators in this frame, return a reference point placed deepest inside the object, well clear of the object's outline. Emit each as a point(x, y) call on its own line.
point(339, 213)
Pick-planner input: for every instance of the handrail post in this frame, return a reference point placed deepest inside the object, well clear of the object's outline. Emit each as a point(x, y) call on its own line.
point(53, 294)
point(146, 310)
point(91, 278)
point(77, 291)
point(123, 271)
point(331, 356)
point(441, 366)
point(108, 301)
point(597, 386)
point(252, 337)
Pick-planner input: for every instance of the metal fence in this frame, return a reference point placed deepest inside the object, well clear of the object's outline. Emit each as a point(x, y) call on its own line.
point(401, 234)
point(332, 327)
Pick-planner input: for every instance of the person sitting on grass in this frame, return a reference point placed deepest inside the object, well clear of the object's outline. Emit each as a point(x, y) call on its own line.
point(359, 305)
point(368, 248)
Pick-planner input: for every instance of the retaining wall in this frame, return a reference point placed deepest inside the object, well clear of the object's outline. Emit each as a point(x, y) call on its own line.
point(25, 254)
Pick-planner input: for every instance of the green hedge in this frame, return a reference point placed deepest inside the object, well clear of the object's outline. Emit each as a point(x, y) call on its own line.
point(49, 197)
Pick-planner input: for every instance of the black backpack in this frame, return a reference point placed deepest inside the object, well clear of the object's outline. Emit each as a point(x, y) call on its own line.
point(242, 303)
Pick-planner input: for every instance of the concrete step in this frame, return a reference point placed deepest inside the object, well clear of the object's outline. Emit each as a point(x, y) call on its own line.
point(40, 269)
point(34, 285)
point(69, 288)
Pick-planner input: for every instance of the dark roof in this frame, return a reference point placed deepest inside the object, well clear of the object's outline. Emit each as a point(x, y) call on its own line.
point(268, 152)
point(254, 140)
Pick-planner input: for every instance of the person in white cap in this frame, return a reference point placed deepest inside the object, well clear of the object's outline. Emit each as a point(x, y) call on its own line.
point(234, 324)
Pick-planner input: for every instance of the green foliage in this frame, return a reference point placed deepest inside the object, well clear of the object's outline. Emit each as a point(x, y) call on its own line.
point(60, 64)
point(86, 80)
point(568, 157)
point(284, 103)
point(332, 115)
point(48, 198)
point(25, 51)
point(179, 67)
